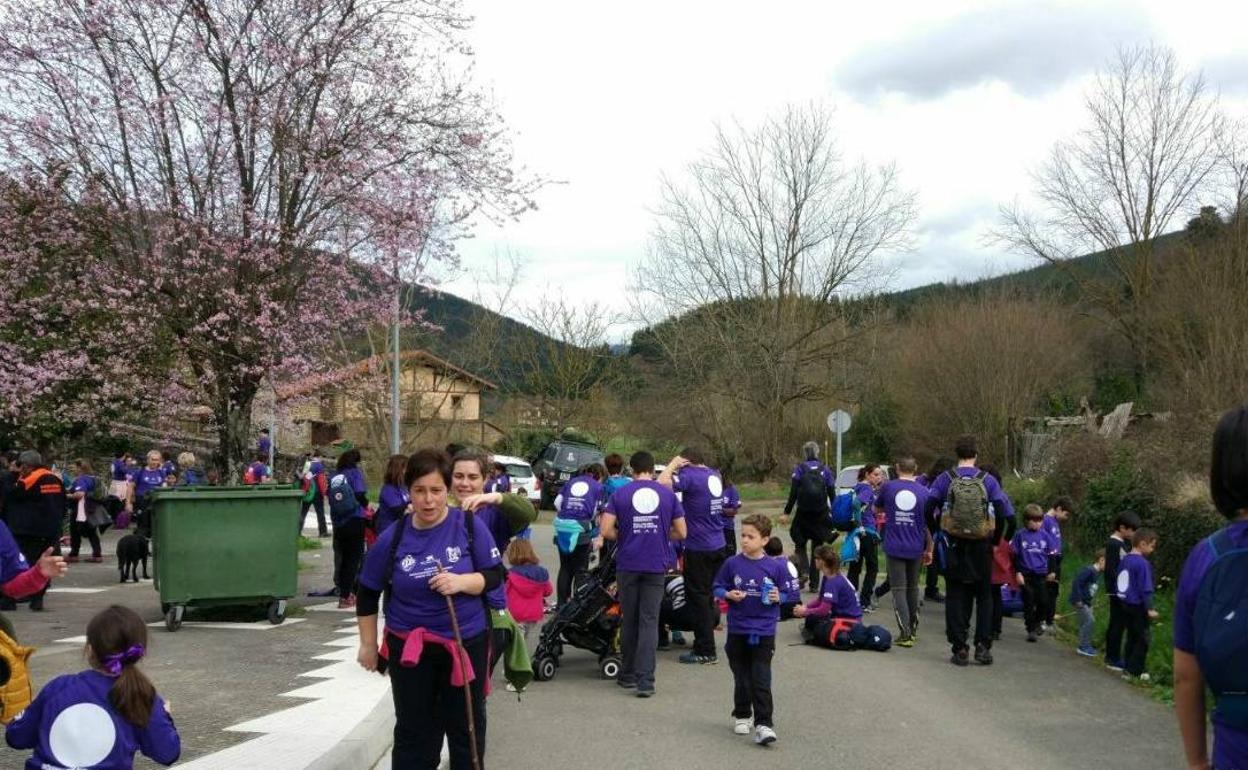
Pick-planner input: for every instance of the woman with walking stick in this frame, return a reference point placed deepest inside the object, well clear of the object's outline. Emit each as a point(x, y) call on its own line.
point(434, 569)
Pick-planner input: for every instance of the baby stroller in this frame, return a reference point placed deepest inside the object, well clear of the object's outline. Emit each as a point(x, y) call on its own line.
point(589, 620)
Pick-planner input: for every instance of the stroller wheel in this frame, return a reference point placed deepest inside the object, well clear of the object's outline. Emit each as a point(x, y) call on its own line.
point(544, 668)
point(609, 667)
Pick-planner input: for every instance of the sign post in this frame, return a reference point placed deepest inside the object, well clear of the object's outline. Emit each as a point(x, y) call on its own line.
point(838, 423)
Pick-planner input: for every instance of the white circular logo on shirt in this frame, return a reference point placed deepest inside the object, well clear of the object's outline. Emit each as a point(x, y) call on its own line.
point(580, 489)
point(645, 500)
point(558, 502)
point(1124, 581)
point(82, 735)
point(716, 486)
point(905, 500)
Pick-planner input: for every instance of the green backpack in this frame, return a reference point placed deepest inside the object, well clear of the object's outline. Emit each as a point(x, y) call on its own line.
point(966, 513)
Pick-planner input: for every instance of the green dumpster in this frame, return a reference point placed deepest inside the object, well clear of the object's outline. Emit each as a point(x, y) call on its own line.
point(215, 546)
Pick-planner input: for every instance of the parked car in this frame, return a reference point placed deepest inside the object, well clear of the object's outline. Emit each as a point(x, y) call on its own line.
point(848, 477)
point(559, 461)
point(523, 481)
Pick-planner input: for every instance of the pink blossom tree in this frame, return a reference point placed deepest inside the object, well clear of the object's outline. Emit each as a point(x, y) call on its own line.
point(241, 150)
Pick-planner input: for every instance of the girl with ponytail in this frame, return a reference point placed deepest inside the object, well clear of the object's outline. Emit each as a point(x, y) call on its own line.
point(100, 717)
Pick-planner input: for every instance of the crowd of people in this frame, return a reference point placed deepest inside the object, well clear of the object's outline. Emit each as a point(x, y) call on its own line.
point(436, 543)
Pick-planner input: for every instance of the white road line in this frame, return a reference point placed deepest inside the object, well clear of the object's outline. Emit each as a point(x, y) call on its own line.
point(259, 625)
point(77, 590)
point(330, 607)
point(71, 640)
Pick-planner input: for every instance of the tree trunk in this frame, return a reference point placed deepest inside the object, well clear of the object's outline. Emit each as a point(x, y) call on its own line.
point(233, 419)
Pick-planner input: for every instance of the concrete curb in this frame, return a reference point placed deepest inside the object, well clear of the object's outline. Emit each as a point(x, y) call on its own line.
point(365, 745)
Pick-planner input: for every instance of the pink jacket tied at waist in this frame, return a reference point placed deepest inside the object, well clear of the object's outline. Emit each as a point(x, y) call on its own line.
point(414, 646)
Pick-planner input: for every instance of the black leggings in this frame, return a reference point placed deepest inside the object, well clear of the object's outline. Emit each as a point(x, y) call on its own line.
point(78, 529)
point(868, 552)
point(427, 707)
point(348, 554)
point(572, 566)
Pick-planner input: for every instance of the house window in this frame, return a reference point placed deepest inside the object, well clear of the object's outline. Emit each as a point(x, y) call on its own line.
point(457, 403)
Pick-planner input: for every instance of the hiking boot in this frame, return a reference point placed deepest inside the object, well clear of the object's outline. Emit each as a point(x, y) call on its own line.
point(983, 655)
point(1087, 652)
point(764, 735)
point(960, 658)
point(693, 657)
point(1031, 636)
point(741, 727)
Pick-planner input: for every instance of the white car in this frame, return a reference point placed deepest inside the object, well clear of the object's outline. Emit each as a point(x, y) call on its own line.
point(523, 482)
point(848, 477)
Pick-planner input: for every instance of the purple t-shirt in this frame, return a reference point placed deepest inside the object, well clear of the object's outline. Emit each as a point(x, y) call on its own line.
point(1033, 548)
point(1230, 745)
point(840, 593)
point(263, 445)
point(903, 501)
point(412, 603)
point(72, 724)
point(497, 524)
point(258, 471)
point(146, 479)
point(1135, 580)
point(751, 615)
point(1053, 528)
point(12, 562)
point(702, 497)
point(644, 511)
point(732, 504)
point(84, 484)
point(800, 470)
point(580, 498)
point(392, 503)
point(793, 589)
point(500, 483)
point(119, 470)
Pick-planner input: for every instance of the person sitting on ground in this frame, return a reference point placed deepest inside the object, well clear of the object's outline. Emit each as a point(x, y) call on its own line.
point(676, 616)
point(837, 597)
point(1211, 581)
point(1082, 592)
point(258, 471)
point(113, 699)
point(792, 592)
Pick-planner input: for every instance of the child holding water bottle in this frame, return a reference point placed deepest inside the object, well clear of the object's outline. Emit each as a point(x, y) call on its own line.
point(751, 582)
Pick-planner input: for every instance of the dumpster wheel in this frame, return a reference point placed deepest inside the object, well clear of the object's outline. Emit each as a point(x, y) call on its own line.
point(173, 618)
point(277, 612)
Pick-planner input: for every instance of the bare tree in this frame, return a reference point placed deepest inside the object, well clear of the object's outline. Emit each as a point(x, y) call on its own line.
point(1148, 153)
point(749, 263)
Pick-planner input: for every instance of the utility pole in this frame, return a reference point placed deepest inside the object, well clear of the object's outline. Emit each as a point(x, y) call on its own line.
point(395, 364)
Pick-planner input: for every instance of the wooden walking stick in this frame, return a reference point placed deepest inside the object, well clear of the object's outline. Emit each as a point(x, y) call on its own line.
point(463, 658)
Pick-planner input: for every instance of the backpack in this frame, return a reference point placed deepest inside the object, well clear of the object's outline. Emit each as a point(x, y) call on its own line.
point(812, 491)
point(15, 690)
point(876, 638)
point(342, 502)
point(849, 548)
point(249, 476)
point(833, 633)
point(966, 514)
point(1220, 622)
point(843, 511)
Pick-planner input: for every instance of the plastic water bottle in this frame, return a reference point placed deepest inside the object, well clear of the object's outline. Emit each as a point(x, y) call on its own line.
point(767, 588)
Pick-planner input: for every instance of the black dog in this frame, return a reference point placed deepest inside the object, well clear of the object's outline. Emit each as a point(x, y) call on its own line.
point(131, 550)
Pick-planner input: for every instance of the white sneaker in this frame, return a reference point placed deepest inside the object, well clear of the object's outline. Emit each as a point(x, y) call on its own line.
point(764, 735)
point(1145, 677)
point(741, 727)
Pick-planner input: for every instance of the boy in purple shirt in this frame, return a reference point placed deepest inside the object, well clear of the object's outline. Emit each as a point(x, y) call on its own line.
point(702, 497)
point(1135, 591)
point(642, 517)
point(1032, 553)
point(751, 582)
point(907, 543)
point(1060, 511)
point(1211, 586)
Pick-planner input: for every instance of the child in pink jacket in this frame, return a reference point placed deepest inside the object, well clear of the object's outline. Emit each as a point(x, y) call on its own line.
point(528, 584)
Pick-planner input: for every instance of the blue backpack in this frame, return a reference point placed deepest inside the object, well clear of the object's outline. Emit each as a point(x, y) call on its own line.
point(849, 548)
point(1220, 620)
point(842, 515)
point(342, 501)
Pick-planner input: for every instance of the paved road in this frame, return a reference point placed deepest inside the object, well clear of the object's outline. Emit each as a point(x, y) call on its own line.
point(1039, 707)
point(214, 677)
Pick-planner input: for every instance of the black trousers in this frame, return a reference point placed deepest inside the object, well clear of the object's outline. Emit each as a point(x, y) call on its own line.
point(1054, 590)
point(1113, 634)
point(730, 542)
point(572, 566)
point(427, 707)
point(809, 531)
point(751, 677)
point(80, 529)
point(1139, 635)
point(32, 548)
point(318, 503)
point(868, 556)
point(700, 570)
point(998, 609)
point(348, 555)
point(1035, 600)
point(961, 598)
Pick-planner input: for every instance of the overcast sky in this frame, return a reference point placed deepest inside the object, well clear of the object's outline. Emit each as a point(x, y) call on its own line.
point(966, 97)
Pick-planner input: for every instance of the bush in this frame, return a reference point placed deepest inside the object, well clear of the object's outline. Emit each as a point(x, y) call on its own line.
point(1123, 486)
point(1179, 530)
